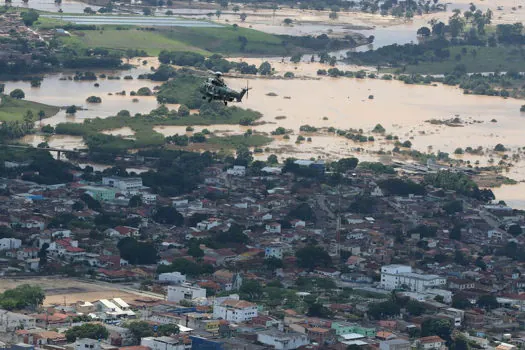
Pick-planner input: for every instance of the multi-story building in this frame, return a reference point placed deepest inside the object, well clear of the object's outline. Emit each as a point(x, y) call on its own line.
point(401, 276)
point(164, 343)
point(234, 310)
point(172, 277)
point(185, 292)
point(282, 341)
point(10, 243)
point(395, 344)
point(123, 183)
point(10, 321)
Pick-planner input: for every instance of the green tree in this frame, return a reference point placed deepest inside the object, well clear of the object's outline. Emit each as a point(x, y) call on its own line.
point(384, 309)
point(312, 256)
point(439, 327)
point(135, 201)
point(251, 290)
point(71, 109)
point(42, 254)
point(415, 308)
point(243, 16)
point(195, 250)
point(168, 329)
point(183, 111)
point(318, 310)
point(303, 212)
point(273, 263)
point(18, 94)
point(29, 17)
point(488, 302)
point(137, 253)
point(168, 215)
point(139, 330)
point(288, 21)
point(515, 230)
point(272, 159)
point(265, 68)
point(459, 301)
point(87, 330)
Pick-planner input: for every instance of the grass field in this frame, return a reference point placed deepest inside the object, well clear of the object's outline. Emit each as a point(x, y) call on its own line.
point(486, 59)
point(14, 110)
point(205, 41)
point(110, 38)
point(226, 40)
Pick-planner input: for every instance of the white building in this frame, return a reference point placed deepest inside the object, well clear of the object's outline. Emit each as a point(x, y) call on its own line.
point(185, 292)
point(10, 321)
point(398, 276)
point(282, 341)
point(234, 310)
point(237, 170)
point(87, 344)
point(395, 344)
point(10, 243)
point(163, 343)
point(116, 308)
point(273, 251)
point(273, 227)
point(172, 277)
point(123, 183)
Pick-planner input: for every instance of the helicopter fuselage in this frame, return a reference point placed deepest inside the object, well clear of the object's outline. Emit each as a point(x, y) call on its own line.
point(213, 90)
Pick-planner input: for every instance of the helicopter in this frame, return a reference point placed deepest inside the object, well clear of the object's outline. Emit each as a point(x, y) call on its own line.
point(216, 89)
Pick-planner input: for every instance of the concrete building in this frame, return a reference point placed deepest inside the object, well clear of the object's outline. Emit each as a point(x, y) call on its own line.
point(10, 321)
point(163, 343)
point(274, 250)
point(100, 193)
point(172, 277)
point(395, 344)
point(10, 243)
point(125, 184)
point(185, 292)
point(237, 170)
point(401, 276)
point(432, 342)
point(234, 310)
point(282, 341)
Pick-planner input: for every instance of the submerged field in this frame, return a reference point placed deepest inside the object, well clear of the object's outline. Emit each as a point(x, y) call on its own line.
point(14, 110)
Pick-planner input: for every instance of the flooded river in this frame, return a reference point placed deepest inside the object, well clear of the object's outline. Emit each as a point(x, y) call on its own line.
point(68, 6)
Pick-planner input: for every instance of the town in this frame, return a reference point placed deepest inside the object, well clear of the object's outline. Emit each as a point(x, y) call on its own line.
point(297, 254)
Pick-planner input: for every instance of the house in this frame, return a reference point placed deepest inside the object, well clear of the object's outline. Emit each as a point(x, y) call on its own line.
point(273, 227)
point(432, 342)
point(496, 234)
point(164, 343)
point(125, 184)
point(461, 284)
point(115, 308)
point(237, 170)
point(126, 231)
point(282, 341)
point(274, 250)
point(172, 277)
point(395, 344)
point(298, 223)
point(11, 321)
point(234, 310)
point(10, 243)
point(27, 253)
point(185, 292)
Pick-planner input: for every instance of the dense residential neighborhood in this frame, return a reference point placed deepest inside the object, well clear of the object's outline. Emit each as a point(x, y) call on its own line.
point(313, 256)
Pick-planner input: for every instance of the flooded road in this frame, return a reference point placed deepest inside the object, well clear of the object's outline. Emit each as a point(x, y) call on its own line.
point(58, 92)
point(68, 6)
point(134, 20)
